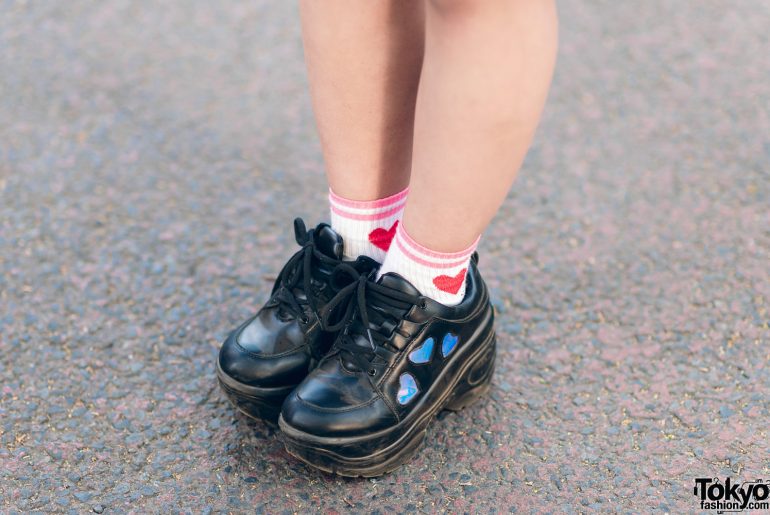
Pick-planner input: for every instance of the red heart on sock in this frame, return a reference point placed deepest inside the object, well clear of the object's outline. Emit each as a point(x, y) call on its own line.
point(450, 284)
point(381, 238)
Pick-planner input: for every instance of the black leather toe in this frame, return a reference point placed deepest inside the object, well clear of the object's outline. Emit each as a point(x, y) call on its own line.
point(332, 402)
point(266, 355)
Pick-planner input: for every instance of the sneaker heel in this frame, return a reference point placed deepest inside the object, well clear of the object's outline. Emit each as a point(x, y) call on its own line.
point(475, 382)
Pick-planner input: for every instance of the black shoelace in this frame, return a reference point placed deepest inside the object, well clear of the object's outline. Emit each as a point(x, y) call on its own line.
point(296, 271)
point(369, 306)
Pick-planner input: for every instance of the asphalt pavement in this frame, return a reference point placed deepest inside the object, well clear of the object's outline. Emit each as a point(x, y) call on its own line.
point(154, 154)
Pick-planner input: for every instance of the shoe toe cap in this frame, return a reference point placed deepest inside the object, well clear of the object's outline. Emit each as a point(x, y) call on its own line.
point(320, 409)
point(257, 356)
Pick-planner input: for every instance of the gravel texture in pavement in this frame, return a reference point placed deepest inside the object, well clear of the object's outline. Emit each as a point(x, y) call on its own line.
point(153, 155)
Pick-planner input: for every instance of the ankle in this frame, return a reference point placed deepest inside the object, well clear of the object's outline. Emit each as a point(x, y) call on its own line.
point(437, 275)
point(367, 227)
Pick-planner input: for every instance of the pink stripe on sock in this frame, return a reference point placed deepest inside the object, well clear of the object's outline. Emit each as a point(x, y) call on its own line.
point(367, 204)
point(417, 259)
point(416, 247)
point(359, 216)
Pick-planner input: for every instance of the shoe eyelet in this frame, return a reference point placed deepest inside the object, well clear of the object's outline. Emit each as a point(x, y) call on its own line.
point(372, 372)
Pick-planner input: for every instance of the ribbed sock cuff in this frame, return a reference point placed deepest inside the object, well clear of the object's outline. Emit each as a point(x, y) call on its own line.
point(437, 275)
point(367, 227)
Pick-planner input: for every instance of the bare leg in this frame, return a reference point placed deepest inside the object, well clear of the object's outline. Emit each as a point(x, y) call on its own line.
point(488, 65)
point(364, 60)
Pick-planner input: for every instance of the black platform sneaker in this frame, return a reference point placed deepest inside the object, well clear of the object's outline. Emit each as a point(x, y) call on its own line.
point(265, 358)
point(401, 359)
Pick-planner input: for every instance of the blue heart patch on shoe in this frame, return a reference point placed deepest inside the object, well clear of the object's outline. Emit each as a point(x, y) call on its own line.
point(423, 353)
point(407, 388)
point(448, 344)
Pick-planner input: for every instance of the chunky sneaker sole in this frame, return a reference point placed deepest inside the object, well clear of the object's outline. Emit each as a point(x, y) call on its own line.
point(465, 379)
point(256, 402)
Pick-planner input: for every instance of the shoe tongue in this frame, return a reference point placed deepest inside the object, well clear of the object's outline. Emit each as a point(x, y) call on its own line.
point(396, 282)
point(328, 241)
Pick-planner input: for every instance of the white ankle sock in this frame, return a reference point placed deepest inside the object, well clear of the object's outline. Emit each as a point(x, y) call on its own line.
point(367, 227)
point(437, 275)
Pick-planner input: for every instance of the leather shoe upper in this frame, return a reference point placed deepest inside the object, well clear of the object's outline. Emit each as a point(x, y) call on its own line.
point(285, 338)
point(372, 379)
